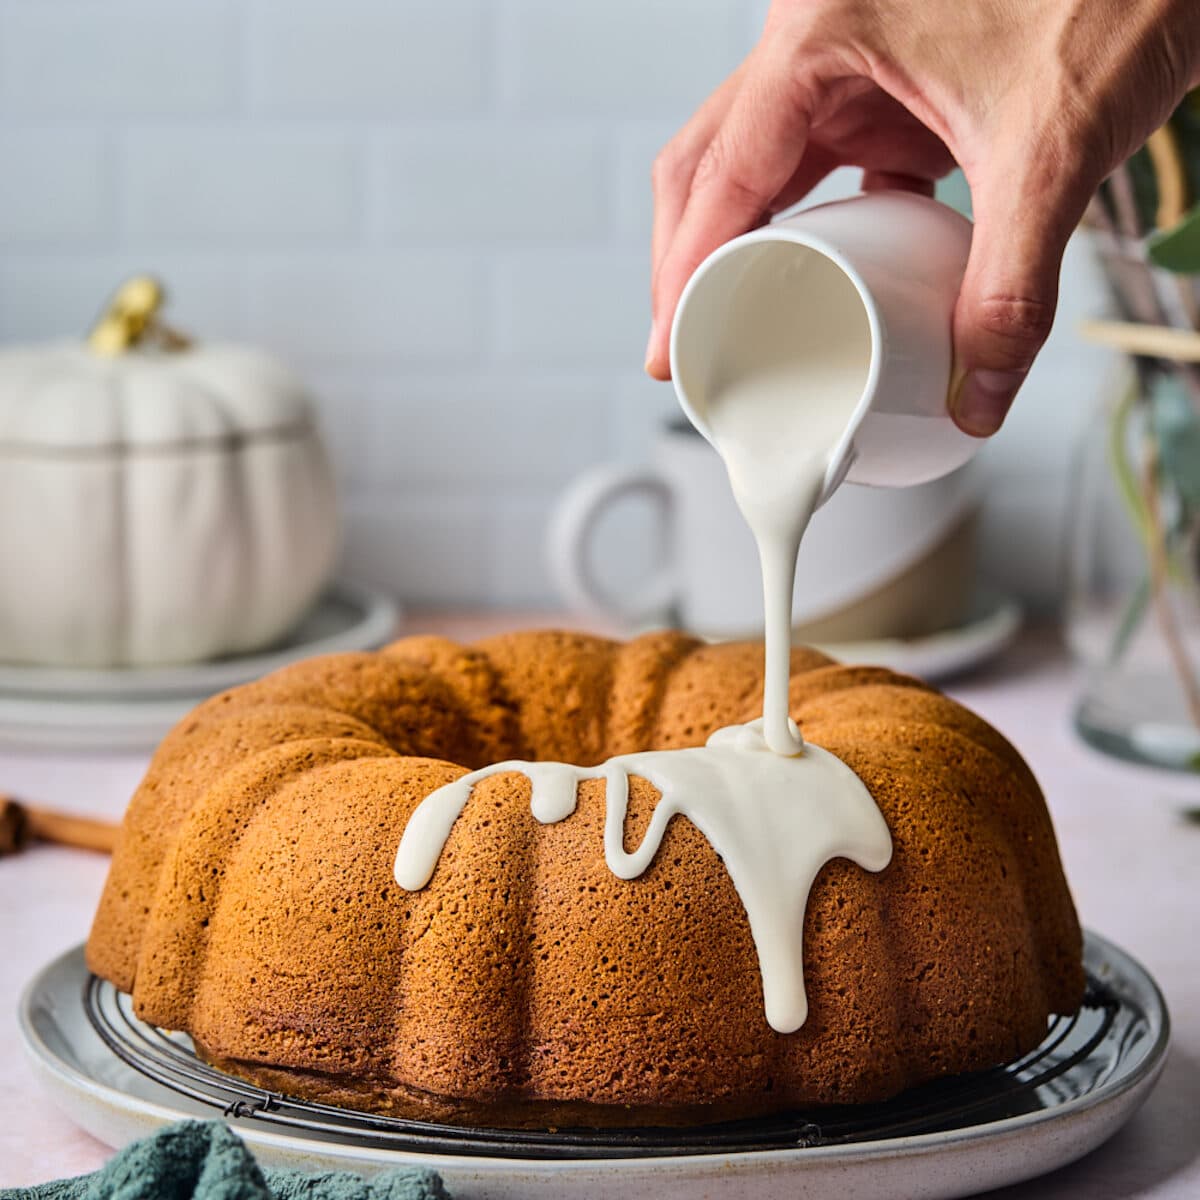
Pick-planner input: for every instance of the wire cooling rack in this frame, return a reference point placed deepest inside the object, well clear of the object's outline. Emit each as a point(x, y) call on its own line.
point(1072, 1060)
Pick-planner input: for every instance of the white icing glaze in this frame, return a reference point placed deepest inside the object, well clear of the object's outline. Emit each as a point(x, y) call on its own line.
point(775, 820)
point(773, 808)
point(791, 374)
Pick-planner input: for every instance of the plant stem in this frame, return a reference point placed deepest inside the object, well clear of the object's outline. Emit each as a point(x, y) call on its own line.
point(1169, 173)
point(1118, 454)
point(1124, 204)
point(1123, 253)
point(1159, 571)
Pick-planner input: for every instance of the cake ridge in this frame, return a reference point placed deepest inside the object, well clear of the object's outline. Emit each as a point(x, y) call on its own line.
point(212, 831)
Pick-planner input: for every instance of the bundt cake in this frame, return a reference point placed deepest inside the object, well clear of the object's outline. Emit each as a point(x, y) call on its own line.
point(252, 903)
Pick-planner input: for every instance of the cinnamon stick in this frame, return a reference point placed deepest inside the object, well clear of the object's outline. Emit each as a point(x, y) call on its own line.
point(21, 824)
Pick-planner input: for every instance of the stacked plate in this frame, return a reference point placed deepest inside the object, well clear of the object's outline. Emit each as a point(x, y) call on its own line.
point(131, 709)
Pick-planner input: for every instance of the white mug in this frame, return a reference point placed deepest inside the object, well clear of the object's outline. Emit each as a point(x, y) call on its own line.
point(905, 256)
point(707, 578)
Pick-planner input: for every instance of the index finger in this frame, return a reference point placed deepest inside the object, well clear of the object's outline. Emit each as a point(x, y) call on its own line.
point(676, 163)
point(753, 155)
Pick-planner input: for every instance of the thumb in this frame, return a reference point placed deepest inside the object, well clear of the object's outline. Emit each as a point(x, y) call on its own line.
point(1006, 305)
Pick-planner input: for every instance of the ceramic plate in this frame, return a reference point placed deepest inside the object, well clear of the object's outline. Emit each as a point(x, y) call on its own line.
point(992, 624)
point(131, 709)
point(1079, 1100)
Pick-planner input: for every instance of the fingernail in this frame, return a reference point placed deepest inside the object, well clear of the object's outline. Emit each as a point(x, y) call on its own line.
point(984, 399)
point(650, 345)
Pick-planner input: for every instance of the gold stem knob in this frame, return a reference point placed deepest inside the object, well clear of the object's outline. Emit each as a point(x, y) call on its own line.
point(129, 316)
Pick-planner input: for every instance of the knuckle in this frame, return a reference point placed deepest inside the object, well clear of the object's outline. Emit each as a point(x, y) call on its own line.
point(668, 167)
point(1023, 322)
point(718, 170)
point(710, 168)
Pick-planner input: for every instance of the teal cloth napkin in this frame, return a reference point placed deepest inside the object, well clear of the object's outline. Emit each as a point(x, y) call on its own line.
point(206, 1160)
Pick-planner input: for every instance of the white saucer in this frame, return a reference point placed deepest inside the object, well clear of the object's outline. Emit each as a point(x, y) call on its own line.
point(80, 1049)
point(130, 709)
point(991, 625)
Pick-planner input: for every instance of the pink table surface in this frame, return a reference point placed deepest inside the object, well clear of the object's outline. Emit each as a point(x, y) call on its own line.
point(1131, 854)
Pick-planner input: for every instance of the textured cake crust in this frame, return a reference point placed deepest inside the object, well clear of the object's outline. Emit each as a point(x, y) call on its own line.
point(251, 900)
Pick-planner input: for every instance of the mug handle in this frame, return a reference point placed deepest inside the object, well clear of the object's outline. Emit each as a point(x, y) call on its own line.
point(569, 544)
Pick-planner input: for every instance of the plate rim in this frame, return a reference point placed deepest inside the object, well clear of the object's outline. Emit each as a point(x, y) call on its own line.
point(1143, 1074)
point(378, 617)
point(944, 653)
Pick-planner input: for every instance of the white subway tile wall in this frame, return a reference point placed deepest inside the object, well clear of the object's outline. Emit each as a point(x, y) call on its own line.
point(373, 305)
point(464, 184)
point(80, 61)
point(439, 213)
point(73, 168)
point(276, 188)
point(367, 60)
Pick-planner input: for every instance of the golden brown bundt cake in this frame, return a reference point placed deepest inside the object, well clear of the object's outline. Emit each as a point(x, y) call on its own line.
point(251, 900)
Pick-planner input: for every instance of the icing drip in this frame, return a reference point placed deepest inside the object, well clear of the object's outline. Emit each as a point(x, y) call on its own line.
point(773, 808)
point(774, 820)
point(790, 374)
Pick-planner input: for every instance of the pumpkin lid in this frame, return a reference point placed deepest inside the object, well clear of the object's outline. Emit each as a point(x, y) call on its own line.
point(62, 397)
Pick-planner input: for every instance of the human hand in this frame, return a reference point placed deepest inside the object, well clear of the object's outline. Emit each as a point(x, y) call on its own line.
point(1036, 100)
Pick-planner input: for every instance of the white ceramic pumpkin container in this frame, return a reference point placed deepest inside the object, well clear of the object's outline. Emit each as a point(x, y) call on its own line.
point(160, 502)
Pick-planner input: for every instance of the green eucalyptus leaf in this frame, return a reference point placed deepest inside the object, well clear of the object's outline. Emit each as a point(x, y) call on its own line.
point(1177, 428)
point(1178, 248)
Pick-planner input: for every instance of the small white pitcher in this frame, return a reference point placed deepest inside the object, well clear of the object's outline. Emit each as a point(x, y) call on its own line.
point(905, 255)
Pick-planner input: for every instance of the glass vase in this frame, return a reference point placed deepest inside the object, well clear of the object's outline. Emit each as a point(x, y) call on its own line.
point(1133, 592)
